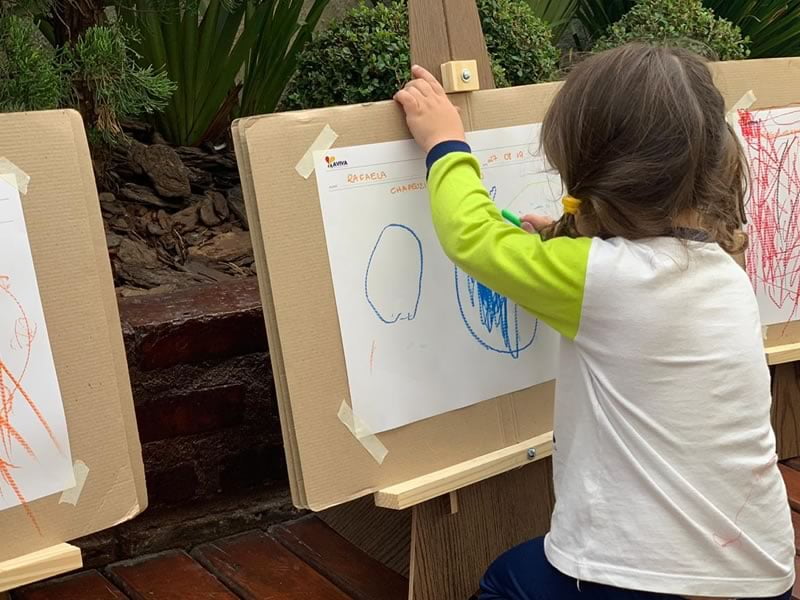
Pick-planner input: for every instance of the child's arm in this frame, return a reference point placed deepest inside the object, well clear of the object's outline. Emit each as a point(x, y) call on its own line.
point(546, 278)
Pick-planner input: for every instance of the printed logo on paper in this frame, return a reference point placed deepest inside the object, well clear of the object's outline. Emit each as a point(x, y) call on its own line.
point(333, 163)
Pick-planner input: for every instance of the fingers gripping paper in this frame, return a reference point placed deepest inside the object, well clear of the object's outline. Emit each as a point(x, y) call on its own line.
point(421, 337)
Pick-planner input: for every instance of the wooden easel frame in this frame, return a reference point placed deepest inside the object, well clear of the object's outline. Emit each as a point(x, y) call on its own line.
point(463, 516)
point(49, 562)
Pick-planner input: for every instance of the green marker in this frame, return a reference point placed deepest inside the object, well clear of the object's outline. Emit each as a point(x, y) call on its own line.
point(511, 217)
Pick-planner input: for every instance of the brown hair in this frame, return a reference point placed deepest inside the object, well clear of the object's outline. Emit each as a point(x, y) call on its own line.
point(639, 135)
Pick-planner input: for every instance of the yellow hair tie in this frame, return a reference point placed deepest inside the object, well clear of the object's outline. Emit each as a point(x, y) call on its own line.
point(571, 205)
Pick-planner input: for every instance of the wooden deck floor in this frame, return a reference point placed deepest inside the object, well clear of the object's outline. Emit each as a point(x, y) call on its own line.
point(303, 560)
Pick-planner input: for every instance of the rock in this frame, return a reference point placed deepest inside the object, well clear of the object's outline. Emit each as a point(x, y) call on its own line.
point(142, 194)
point(138, 265)
point(236, 204)
point(164, 220)
point(187, 219)
point(225, 247)
point(207, 213)
point(120, 223)
point(136, 253)
point(220, 205)
point(200, 179)
point(165, 169)
point(109, 204)
point(155, 229)
point(113, 240)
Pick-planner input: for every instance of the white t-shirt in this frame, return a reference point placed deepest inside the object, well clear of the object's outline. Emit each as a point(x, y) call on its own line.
point(666, 476)
point(665, 469)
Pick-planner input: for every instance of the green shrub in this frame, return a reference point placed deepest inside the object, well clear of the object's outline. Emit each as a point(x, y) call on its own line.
point(227, 57)
point(31, 74)
point(364, 57)
point(104, 72)
point(518, 41)
point(97, 74)
point(773, 26)
point(678, 22)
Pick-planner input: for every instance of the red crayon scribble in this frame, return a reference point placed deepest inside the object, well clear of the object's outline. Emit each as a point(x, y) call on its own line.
point(758, 473)
point(772, 145)
point(11, 391)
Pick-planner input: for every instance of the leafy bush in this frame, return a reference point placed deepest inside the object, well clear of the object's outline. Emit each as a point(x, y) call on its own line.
point(773, 26)
point(682, 22)
point(31, 75)
point(109, 84)
point(205, 47)
point(598, 15)
point(518, 41)
point(94, 71)
point(556, 13)
point(364, 57)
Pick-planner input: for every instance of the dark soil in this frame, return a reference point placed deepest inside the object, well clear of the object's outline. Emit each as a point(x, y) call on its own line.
point(174, 216)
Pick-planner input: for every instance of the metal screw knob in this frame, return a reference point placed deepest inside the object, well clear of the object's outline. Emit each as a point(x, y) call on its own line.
point(531, 452)
point(466, 75)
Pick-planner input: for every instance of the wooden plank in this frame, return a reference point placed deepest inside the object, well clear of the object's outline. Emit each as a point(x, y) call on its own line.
point(777, 355)
point(445, 30)
point(426, 23)
point(424, 488)
point(255, 566)
point(49, 562)
point(796, 525)
point(796, 588)
point(89, 585)
point(352, 570)
point(172, 574)
point(383, 534)
point(792, 480)
point(450, 552)
point(786, 409)
point(465, 37)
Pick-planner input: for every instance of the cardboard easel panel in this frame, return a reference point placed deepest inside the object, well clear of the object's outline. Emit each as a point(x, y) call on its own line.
point(74, 278)
point(328, 464)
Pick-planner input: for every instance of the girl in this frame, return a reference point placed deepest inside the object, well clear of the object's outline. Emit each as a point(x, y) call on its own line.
point(665, 471)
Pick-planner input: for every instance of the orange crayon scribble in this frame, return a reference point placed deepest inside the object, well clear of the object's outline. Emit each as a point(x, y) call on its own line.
point(18, 387)
point(5, 473)
point(24, 333)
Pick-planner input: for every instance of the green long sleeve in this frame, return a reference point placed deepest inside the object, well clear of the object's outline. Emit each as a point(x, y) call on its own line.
point(547, 278)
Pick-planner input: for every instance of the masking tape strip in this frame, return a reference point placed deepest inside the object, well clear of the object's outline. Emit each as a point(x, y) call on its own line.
point(73, 494)
point(324, 140)
point(743, 103)
point(14, 176)
point(367, 439)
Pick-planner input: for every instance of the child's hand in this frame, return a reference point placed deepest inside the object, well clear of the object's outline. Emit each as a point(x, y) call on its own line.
point(430, 115)
point(535, 223)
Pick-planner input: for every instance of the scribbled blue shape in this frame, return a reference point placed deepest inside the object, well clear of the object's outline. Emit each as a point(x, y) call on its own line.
point(493, 193)
point(494, 315)
point(387, 314)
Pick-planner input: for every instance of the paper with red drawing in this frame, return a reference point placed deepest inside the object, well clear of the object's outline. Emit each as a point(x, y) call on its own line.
point(34, 446)
point(771, 139)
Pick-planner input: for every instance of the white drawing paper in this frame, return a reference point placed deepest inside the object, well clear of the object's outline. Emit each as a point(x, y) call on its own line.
point(34, 446)
point(771, 139)
point(420, 337)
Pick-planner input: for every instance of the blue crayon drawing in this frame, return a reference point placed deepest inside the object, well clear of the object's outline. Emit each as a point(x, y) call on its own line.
point(493, 193)
point(392, 288)
point(491, 319)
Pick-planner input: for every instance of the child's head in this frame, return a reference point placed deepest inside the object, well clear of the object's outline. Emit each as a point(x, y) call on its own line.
point(638, 135)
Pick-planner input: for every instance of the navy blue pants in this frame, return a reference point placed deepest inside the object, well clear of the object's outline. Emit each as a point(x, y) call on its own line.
point(523, 573)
